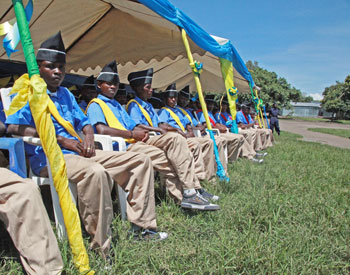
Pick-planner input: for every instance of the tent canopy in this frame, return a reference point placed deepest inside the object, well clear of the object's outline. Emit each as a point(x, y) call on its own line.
point(96, 32)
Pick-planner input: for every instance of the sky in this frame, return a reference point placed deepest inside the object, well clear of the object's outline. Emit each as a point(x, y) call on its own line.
point(305, 41)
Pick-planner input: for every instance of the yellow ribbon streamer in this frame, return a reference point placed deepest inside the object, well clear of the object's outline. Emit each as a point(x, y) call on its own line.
point(6, 27)
point(144, 112)
point(111, 119)
point(176, 118)
point(34, 91)
point(227, 73)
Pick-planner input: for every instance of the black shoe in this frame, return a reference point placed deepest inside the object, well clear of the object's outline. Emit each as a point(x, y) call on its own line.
point(198, 202)
point(139, 234)
point(207, 195)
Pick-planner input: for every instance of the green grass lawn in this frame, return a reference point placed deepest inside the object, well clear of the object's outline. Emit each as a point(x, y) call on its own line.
point(318, 119)
point(290, 215)
point(336, 132)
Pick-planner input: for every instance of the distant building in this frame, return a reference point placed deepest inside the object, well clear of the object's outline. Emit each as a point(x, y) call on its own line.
point(306, 109)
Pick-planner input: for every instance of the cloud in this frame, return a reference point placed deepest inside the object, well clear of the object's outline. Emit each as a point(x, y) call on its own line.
point(316, 96)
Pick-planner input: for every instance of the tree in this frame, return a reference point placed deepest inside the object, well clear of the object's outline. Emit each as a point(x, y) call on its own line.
point(336, 99)
point(274, 89)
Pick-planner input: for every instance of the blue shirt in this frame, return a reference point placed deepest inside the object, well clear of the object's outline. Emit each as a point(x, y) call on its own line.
point(165, 116)
point(202, 118)
point(220, 119)
point(188, 111)
point(68, 108)
point(83, 105)
point(95, 115)
point(137, 116)
point(2, 113)
point(241, 119)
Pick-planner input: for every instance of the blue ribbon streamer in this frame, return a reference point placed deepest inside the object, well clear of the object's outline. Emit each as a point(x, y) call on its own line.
point(12, 39)
point(221, 171)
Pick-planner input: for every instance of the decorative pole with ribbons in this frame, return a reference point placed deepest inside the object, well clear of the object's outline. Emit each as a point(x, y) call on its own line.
point(231, 90)
point(255, 100)
point(33, 89)
point(197, 68)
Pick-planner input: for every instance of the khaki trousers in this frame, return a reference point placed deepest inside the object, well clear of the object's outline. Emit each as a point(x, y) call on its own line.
point(266, 137)
point(94, 178)
point(167, 163)
point(221, 143)
point(181, 152)
point(252, 138)
point(235, 145)
point(26, 220)
point(208, 157)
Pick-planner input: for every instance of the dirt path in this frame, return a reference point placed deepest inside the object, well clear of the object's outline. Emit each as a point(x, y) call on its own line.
point(300, 127)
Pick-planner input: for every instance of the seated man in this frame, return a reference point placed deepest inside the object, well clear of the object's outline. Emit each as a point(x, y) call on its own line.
point(88, 92)
point(25, 218)
point(245, 121)
point(175, 145)
point(175, 117)
point(121, 95)
point(109, 117)
point(224, 117)
point(237, 144)
point(92, 171)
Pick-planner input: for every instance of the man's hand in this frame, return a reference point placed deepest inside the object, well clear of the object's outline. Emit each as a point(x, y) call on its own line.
point(71, 144)
point(89, 146)
point(222, 128)
point(140, 135)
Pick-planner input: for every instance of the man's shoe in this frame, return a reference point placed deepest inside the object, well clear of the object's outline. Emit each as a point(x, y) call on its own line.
point(196, 201)
point(148, 234)
point(205, 194)
point(257, 160)
point(261, 155)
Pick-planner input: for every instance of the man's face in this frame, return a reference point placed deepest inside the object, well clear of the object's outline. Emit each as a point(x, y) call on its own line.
point(108, 89)
point(171, 101)
point(122, 99)
point(53, 74)
point(182, 101)
point(145, 91)
point(210, 105)
point(224, 107)
point(88, 94)
point(246, 110)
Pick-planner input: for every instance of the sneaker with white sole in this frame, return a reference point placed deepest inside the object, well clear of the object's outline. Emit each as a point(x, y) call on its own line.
point(149, 234)
point(261, 155)
point(207, 195)
point(198, 202)
point(257, 160)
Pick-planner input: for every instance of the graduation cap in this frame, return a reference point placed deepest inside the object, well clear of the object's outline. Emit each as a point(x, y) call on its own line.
point(52, 49)
point(210, 98)
point(89, 82)
point(170, 91)
point(122, 89)
point(141, 77)
point(109, 73)
point(246, 104)
point(224, 100)
point(185, 92)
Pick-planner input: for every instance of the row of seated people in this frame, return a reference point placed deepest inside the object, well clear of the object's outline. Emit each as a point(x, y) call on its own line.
point(181, 158)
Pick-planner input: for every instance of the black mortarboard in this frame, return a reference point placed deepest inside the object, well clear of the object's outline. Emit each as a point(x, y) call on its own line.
point(109, 73)
point(52, 50)
point(170, 91)
point(121, 90)
point(89, 82)
point(224, 100)
point(246, 104)
point(185, 92)
point(141, 77)
point(210, 98)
